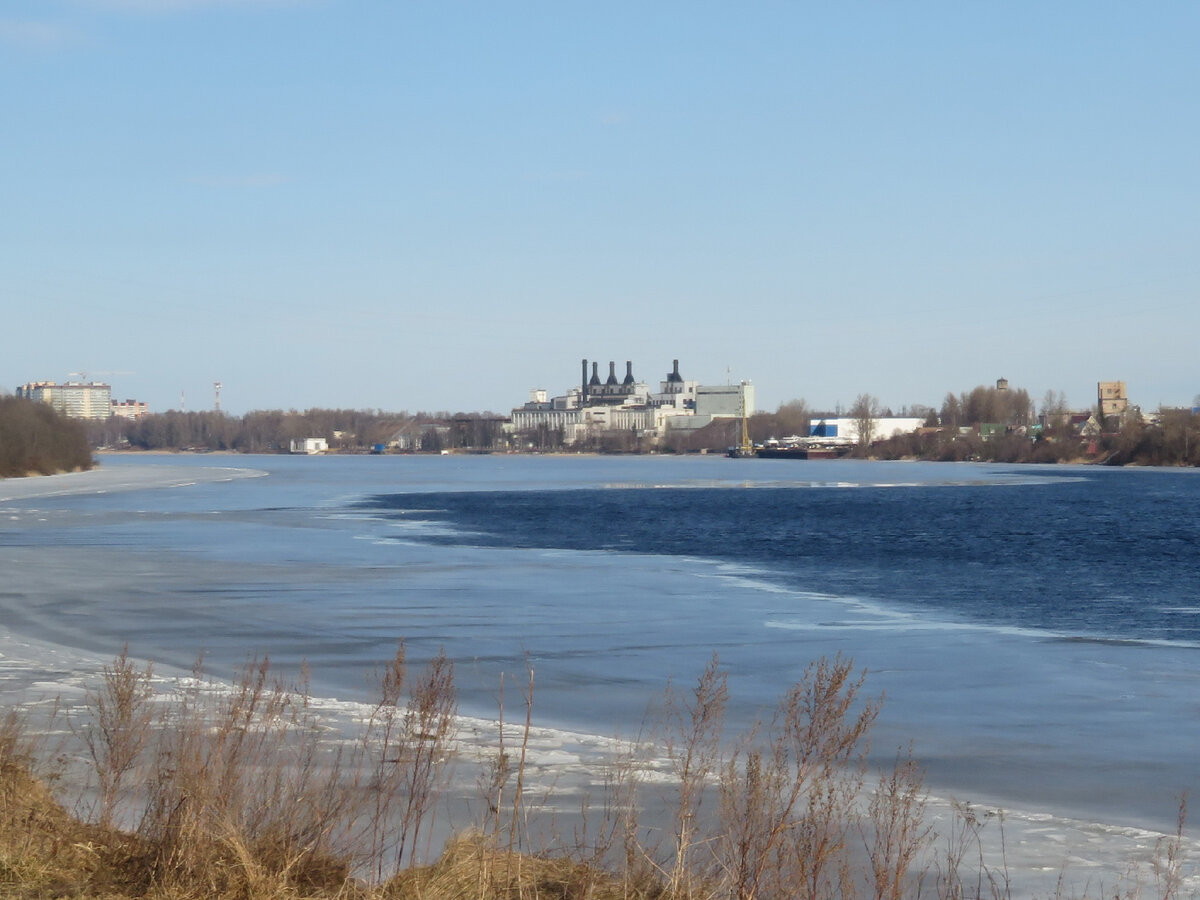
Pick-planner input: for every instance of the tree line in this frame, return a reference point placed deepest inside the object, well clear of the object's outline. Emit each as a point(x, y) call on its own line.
point(35, 440)
point(1005, 425)
point(272, 431)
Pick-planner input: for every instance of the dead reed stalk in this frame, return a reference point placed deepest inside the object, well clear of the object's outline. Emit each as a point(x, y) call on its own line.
point(120, 727)
point(241, 790)
point(1169, 857)
point(406, 746)
point(695, 726)
point(897, 831)
point(788, 800)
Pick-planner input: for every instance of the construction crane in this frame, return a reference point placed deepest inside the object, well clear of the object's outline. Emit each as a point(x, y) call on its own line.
point(744, 449)
point(83, 376)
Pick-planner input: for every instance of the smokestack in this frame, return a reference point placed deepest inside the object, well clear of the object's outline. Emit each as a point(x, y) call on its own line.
point(612, 372)
point(583, 381)
point(628, 372)
point(595, 373)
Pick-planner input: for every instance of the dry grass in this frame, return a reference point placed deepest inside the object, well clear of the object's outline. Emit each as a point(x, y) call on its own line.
point(472, 866)
point(239, 793)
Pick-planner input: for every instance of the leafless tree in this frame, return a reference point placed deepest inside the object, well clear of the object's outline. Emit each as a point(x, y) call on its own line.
point(865, 413)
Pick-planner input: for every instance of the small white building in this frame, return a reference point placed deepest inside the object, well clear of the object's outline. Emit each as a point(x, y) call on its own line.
point(310, 446)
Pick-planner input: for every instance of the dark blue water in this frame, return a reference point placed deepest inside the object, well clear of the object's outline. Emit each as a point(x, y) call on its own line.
point(1110, 556)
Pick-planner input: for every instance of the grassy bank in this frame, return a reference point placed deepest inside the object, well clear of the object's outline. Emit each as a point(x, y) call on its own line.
point(209, 790)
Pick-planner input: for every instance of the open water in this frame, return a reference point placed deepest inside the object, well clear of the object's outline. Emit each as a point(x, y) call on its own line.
point(1036, 630)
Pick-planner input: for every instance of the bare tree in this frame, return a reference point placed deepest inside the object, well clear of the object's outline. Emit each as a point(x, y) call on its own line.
point(865, 413)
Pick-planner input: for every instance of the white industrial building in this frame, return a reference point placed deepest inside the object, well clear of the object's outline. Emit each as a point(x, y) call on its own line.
point(843, 430)
point(598, 406)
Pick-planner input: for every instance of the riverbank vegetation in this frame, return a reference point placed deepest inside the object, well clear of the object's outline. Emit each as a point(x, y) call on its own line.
point(35, 440)
point(246, 791)
point(1003, 425)
point(986, 423)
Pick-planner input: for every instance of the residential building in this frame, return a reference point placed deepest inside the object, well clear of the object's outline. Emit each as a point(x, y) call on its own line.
point(130, 409)
point(75, 399)
point(1111, 398)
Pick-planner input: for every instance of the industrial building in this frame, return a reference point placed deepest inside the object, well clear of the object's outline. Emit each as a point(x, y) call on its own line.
point(597, 406)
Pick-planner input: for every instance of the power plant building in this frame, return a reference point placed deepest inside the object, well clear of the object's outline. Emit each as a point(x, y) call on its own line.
point(627, 405)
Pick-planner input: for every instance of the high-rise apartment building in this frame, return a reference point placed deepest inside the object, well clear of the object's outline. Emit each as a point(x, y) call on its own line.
point(75, 399)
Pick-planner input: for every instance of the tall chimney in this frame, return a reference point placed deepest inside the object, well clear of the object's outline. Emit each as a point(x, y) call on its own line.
point(612, 372)
point(628, 372)
point(583, 381)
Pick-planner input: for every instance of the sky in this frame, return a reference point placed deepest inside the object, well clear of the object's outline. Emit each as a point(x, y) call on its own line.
point(384, 204)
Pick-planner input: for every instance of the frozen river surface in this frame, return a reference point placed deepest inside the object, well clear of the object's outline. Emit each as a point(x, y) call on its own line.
point(1036, 630)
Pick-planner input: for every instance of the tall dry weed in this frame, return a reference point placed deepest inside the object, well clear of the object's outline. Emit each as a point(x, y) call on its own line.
point(1168, 862)
point(242, 792)
point(405, 749)
point(695, 725)
point(120, 727)
point(789, 795)
point(897, 833)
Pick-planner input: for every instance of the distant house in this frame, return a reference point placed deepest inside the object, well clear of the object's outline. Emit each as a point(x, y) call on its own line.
point(1088, 428)
point(406, 437)
point(310, 446)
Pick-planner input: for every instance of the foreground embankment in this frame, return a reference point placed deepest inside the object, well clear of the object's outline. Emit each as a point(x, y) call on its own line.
point(141, 786)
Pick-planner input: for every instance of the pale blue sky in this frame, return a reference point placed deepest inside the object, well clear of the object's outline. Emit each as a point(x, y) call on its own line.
point(420, 205)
